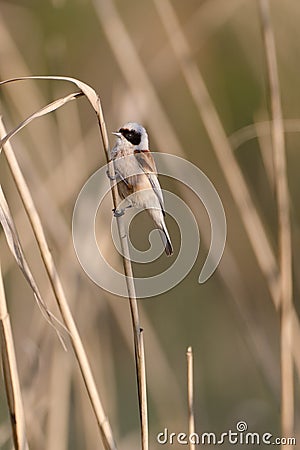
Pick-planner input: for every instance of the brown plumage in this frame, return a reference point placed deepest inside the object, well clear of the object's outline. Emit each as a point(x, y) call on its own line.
point(137, 176)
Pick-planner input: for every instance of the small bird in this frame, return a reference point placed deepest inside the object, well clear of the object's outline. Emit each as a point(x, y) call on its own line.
point(136, 175)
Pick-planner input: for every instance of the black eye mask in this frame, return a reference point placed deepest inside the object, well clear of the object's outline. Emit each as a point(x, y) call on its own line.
point(133, 136)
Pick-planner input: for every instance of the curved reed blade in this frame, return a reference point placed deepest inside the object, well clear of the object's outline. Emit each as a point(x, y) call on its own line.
point(15, 247)
point(40, 113)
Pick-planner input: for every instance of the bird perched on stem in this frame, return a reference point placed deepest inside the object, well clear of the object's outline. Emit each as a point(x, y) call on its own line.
point(136, 175)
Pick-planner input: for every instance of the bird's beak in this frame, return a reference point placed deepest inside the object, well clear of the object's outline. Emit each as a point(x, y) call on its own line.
point(116, 133)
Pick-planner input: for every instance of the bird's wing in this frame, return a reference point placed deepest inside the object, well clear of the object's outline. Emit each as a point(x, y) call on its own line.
point(147, 164)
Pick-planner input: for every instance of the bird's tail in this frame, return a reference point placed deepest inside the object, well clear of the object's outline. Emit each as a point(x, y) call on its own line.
point(157, 216)
point(166, 241)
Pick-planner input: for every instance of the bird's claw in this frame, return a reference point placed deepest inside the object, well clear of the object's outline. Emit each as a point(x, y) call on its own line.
point(118, 212)
point(112, 178)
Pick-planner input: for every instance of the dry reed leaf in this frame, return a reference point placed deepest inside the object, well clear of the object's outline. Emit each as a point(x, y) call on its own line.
point(41, 112)
point(86, 90)
point(15, 247)
point(89, 92)
point(94, 100)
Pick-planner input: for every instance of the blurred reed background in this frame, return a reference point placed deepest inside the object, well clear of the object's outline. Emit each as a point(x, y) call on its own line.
point(154, 62)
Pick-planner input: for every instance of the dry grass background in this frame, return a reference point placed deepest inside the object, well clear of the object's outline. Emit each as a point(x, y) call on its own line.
point(195, 74)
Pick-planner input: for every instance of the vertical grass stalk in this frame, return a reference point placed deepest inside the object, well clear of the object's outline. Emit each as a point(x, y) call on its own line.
point(11, 377)
point(137, 330)
point(220, 143)
point(284, 226)
point(190, 391)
